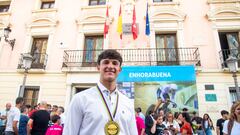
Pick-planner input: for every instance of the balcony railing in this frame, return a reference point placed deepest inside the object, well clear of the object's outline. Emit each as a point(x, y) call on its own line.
point(224, 54)
point(140, 57)
point(39, 60)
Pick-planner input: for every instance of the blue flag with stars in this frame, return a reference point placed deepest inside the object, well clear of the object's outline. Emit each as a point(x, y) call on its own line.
point(147, 30)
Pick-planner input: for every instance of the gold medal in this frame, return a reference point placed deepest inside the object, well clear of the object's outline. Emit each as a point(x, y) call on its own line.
point(112, 128)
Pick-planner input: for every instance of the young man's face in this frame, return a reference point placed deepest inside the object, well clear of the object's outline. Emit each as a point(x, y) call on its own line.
point(109, 69)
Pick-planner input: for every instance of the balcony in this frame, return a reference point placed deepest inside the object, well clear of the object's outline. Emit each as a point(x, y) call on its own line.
point(136, 57)
point(224, 54)
point(39, 61)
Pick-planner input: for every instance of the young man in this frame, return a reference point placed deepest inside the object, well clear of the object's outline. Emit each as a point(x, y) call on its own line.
point(102, 109)
point(221, 121)
point(13, 118)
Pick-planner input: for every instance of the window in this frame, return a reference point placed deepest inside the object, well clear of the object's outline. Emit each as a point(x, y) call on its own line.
point(4, 8)
point(47, 5)
point(229, 44)
point(233, 94)
point(92, 48)
point(166, 47)
point(30, 95)
point(38, 52)
point(162, 0)
point(97, 2)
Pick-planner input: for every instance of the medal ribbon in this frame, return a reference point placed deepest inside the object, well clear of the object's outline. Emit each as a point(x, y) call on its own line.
point(107, 108)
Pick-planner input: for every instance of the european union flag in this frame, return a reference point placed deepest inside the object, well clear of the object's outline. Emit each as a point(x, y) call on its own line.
point(147, 30)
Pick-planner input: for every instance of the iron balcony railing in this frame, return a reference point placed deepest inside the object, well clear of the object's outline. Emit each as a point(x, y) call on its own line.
point(225, 53)
point(140, 57)
point(39, 60)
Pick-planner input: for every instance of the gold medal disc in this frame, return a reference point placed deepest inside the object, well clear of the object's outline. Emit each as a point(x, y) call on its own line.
point(112, 128)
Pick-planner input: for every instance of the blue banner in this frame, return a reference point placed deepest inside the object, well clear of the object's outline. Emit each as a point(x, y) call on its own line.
point(156, 73)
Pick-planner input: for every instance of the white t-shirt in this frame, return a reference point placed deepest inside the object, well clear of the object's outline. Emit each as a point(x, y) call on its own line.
point(13, 115)
point(235, 128)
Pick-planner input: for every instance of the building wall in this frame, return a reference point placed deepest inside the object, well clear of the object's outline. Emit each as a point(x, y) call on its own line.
point(196, 24)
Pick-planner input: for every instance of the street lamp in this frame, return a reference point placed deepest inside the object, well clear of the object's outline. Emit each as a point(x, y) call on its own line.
point(27, 62)
point(232, 63)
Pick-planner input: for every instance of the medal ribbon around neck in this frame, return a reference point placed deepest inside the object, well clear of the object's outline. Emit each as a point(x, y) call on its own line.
point(107, 108)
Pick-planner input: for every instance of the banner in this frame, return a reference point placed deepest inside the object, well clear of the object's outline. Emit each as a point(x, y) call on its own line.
point(174, 86)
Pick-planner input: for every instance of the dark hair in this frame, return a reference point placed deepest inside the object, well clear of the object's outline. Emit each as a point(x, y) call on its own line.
point(185, 109)
point(155, 116)
point(28, 106)
point(224, 112)
point(55, 106)
point(55, 118)
point(194, 112)
point(186, 116)
point(23, 108)
point(19, 100)
point(110, 54)
point(62, 109)
point(138, 110)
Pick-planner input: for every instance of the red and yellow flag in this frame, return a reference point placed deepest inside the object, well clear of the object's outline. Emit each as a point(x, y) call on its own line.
point(119, 26)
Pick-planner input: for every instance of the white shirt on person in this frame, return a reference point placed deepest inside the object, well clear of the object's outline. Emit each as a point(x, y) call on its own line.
point(87, 114)
point(175, 124)
point(235, 128)
point(13, 115)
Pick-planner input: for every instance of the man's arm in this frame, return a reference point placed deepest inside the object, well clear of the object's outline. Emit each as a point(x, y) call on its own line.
point(15, 129)
point(218, 128)
point(29, 126)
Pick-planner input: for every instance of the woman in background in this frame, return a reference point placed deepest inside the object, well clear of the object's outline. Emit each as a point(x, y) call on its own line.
point(207, 124)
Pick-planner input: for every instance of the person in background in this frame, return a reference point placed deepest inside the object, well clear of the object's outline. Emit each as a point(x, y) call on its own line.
point(3, 117)
point(149, 119)
point(186, 128)
point(54, 110)
point(221, 121)
point(35, 108)
point(140, 114)
point(23, 121)
point(232, 126)
point(171, 124)
point(38, 122)
point(60, 112)
point(207, 124)
point(140, 123)
point(13, 118)
point(197, 121)
point(55, 129)
point(49, 108)
point(158, 126)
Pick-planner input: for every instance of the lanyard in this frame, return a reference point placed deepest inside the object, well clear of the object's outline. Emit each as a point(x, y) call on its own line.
point(107, 108)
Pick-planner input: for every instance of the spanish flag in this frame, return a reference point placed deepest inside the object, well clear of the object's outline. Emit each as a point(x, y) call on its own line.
point(119, 27)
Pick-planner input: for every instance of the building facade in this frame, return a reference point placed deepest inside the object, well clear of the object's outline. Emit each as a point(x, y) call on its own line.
point(64, 38)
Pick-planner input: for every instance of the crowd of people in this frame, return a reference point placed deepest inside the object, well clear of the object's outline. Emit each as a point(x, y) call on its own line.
point(157, 122)
point(42, 119)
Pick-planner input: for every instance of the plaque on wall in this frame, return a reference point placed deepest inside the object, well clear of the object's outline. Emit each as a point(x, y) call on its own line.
point(127, 28)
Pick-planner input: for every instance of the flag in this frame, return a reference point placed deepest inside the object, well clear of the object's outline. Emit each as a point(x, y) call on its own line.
point(134, 25)
point(106, 24)
point(147, 29)
point(119, 27)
